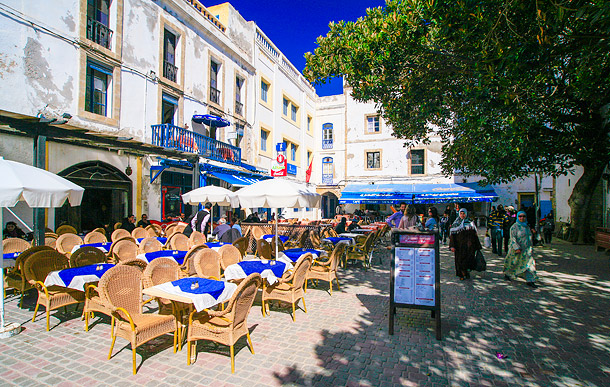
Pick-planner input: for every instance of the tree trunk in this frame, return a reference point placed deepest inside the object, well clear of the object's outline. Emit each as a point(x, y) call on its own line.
point(580, 201)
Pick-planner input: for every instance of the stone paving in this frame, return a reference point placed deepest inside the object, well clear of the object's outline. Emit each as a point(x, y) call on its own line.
point(556, 335)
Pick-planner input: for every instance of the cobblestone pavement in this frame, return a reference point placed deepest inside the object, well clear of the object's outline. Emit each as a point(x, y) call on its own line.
point(556, 335)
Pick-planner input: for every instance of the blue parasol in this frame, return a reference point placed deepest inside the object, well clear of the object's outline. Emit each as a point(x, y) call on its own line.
point(208, 119)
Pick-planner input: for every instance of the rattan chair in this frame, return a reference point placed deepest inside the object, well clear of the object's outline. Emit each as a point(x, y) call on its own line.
point(65, 229)
point(196, 238)
point(180, 226)
point(135, 262)
point(207, 264)
point(14, 277)
point(121, 289)
point(150, 244)
point(228, 256)
point(226, 326)
point(242, 245)
point(95, 237)
point(95, 304)
point(152, 231)
point(169, 229)
point(263, 249)
point(315, 240)
point(179, 241)
point(36, 268)
point(327, 271)
point(280, 245)
point(15, 245)
point(289, 289)
point(87, 255)
point(299, 242)
point(159, 271)
point(188, 266)
point(139, 232)
point(257, 232)
point(66, 242)
point(123, 249)
point(361, 251)
point(119, 233)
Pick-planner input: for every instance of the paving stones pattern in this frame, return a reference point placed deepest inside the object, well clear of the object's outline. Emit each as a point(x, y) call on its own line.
point(557, 335)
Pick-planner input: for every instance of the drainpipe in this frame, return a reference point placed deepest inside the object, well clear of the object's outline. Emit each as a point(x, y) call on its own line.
point(40, 143)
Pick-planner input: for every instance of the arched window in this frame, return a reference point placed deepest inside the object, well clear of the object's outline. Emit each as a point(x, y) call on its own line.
point(327, 136)
point(327, 170)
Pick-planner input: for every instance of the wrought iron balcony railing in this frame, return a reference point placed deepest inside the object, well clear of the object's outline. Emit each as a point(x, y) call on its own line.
point(170, 71)
point(239, 108)
point(99, 33)
point(327, 144)
point(214, 95)
point(175, 137)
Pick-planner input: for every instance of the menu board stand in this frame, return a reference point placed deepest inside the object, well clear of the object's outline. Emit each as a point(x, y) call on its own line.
point(415, 274)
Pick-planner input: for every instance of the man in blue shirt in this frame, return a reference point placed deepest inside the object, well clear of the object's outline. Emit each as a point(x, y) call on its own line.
point(394, 219)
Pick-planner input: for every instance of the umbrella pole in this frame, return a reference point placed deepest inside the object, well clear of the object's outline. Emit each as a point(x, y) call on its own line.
point(2, 269)
point(277, 218)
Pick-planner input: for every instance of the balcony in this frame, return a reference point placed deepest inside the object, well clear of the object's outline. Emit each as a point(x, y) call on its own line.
point(170, 71)
point(174, 137)
point(239, 108)
point(327, 144)
point(99, 33)
point(214, 95)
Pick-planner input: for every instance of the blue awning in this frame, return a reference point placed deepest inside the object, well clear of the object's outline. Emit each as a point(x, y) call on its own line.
point(417, 193)
point(211, 120)
point(237, 179)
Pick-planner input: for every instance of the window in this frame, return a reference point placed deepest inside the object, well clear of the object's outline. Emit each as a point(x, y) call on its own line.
point(98, 81)
point(214, 84)
point(169, 107)
point(290, 107)
point(293, 111)
point(327, 136)
point(285, 104)
point(309, 123)
point(373, 160)
point(308, 157)
point(239, 128)
point(264, 91)
point(417, 162)
point(98, 22)
point(327, 170)
point(170, 71)
point(293, 152)
point(372, 124)
point(239, 107)
point(264, 137)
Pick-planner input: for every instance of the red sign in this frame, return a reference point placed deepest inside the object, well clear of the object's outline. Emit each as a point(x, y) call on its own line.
point(278, 169)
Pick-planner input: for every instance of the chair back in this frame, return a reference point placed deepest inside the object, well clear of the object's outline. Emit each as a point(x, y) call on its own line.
point(66, 242)
point(314, 237)
point(135, 262)
point(368, 242)
point(257, 232)
point(229, 255)
point(169, 229)
point(159, 271)
point(263, 249)
point(150, 244)
point(332, 232)
point(139, 232)
point(335, 256)
point(280, 245)
point(180, 226)
point(123, 249)
point(188, 265)
point(119, 233)
point(243, 298)
point(15, 245)
point(38, 265)
point(65, 229)
point(28, 253)
point(87, 255)
point(121, 286)
point(230, 236)
point(196, 238)
point(152, 231)
point(303, 238)
point(242, 245)
point(95, 237)
point(300, 270)
point(179, 241)
point(207, 263)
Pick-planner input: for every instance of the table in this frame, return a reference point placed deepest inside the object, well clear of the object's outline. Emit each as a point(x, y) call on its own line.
point(77, 277)
point(8, 259)
point(162, 240)
point(350, 235)
point(339, 239)
point(176, 255)
point(269, 238)
point(216, 245)
point(293, 255)
point(104, 246)
point(207, 294)
point(362, 230)
point(269, 270)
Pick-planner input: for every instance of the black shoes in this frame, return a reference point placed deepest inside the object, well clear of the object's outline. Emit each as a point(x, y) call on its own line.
point(532, 285)
point(507, 278)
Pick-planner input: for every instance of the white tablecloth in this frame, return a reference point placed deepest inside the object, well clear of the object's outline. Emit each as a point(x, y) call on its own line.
point(103, 248)
point(77, 283)
point(200, 301)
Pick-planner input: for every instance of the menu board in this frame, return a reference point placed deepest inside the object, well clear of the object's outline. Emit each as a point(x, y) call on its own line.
point(414, 275)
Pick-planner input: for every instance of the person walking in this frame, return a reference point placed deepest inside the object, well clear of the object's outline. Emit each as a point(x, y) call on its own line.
point(511, 218)
point(464, 242)
point(548, 227)
point(496, 227)
point(410, 218)
point(432, 223)
point(199, 222)
point(444, 227)
point(394, 219)
point(519, 260)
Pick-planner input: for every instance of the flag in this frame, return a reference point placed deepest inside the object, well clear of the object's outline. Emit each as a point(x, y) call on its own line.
point(308, 172)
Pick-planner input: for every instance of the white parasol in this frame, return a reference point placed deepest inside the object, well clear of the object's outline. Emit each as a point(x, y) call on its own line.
point(212, 194)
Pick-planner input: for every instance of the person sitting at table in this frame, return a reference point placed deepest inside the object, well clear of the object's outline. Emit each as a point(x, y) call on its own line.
point(235, 223)
point(221, 228)
point(128, 223)
point(341, 227)
point(144, 222)
point(13, 231)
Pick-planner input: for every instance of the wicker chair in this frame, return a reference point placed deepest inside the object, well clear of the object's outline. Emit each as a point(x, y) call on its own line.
point(159, 271)
point(119, 233)
point(95, 237)
point(180, 226)
point(263, 249)
point(152, 231)
point(117, 226)
point(188, 266)
point(361, 251)
point(169, 229)
point(66, 242)
point(289, 289)
point(93, 304)
point(299, 242)
point(121, 289)
point(257, 232)
point(280, 245)
point(14, 277)
point(226, 326)
point(150, 244)
point(314, 238)
point(135, 262)
point(196, 238)
point(207, 264)
point(15, 245)
point(229, 255)
point(178, 241)
point(36, 268)
point(65, 229)
point(123, 249)
point(87, 255)
point(242, 245)
point(327, 271)
point(139, 232)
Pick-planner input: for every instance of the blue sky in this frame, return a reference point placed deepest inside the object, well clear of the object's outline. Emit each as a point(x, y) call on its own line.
point(293, 26)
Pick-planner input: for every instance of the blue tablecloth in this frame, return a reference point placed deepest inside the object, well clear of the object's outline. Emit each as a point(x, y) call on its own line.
point(295, 254)
point(250, 267)
point(67, 275)
point(269, 238)
point(335, 240)
point(104, 246)
point(10, 255)
point(178, 255)
point(215, 245)
point(163, 240)
point(204, 286)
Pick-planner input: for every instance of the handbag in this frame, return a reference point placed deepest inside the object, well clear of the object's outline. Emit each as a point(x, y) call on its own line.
point(487, 241)
point(479, 261)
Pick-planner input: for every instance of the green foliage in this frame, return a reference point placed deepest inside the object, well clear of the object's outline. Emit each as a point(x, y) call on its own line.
point(510, 86)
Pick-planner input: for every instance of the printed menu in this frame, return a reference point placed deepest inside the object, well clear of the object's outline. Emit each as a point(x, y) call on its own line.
point(414, 276)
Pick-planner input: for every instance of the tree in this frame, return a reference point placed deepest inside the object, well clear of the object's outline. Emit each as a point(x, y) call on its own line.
point(511, 87)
